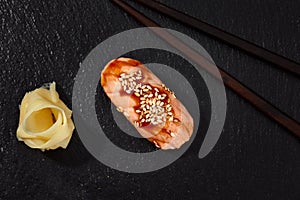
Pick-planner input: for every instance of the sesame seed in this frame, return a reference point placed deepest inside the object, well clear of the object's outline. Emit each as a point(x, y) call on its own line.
point(152, 108)
point(172, 134)
point(156, 144)
point(120, 109)
point(126, 114)
point(136, 124)
point(128, 81)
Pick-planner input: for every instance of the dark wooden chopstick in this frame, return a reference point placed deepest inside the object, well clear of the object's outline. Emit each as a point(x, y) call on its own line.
point(258, 102)
point(251, 48)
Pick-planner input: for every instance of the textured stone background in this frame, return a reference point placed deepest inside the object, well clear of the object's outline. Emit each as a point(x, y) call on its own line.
point(254, 158)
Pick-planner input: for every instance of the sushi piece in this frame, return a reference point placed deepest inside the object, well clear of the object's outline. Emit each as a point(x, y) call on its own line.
point(147, 103)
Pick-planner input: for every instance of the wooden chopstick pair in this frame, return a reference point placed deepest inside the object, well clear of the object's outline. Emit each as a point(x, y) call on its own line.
point(257, 101)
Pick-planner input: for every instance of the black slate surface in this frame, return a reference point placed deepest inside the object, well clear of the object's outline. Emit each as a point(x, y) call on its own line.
point(254, 158)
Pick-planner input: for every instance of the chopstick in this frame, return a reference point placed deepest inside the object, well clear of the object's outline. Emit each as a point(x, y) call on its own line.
point(258, 102)
point(249, 47)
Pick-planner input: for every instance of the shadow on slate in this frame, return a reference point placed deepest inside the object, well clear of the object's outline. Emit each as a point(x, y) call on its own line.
point(74, 155)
